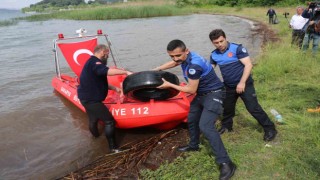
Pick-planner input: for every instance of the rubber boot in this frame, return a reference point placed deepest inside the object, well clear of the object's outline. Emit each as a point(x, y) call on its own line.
point(110, 135)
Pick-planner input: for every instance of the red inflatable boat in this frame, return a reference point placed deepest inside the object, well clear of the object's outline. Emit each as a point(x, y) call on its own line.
point(128, 112)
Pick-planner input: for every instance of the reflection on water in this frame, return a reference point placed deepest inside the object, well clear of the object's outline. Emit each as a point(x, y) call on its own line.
point(43, 136)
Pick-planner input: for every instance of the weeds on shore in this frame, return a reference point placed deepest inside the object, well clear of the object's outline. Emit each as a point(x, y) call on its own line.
point(107, 13)
point(8, 22)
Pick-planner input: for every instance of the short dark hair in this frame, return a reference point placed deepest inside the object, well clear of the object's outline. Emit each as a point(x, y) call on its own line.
point(176, 44)
point(216, 33)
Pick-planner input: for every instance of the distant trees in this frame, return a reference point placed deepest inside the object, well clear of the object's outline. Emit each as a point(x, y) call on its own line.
point(49, 5)
point(60, 3)
point(103, 1)
point(54, 5)
point(63, 3)
point(251, 3)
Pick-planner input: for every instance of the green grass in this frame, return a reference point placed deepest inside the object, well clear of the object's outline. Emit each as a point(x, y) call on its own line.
point(8, 22)
point(103, 13)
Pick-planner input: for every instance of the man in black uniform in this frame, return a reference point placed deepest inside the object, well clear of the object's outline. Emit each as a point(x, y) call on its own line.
point(206, 106)
point(271, 12)
point(235, 65)
point(93, 90)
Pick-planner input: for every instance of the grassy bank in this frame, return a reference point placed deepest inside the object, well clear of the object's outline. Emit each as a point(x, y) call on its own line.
point(285, 79)
point(134, 9)
point(8, 22)
point(107, 13)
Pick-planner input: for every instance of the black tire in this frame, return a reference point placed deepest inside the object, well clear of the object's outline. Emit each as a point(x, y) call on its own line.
point(142, 85)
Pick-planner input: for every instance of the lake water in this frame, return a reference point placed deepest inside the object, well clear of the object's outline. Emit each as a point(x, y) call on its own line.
point(43, 136)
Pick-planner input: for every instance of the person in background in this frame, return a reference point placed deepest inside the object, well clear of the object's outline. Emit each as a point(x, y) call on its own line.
point(235, 66)
point(271, 13)
point(93, 90)
point(297, 23)
point(206, 106)
point(313, 14)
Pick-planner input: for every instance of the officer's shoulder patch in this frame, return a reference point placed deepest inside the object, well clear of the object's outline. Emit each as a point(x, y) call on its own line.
point(244, 50)
point(192, 71)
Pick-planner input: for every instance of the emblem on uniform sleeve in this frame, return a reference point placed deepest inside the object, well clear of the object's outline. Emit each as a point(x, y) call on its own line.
point(244, 50)
point(192, 71)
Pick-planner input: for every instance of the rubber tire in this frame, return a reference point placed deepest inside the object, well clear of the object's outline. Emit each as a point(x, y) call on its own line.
point(142, 85)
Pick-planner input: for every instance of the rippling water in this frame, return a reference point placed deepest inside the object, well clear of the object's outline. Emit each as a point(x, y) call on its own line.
point(43, 136)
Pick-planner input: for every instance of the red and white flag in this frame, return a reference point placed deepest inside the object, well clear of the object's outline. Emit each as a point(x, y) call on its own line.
point(77, 53)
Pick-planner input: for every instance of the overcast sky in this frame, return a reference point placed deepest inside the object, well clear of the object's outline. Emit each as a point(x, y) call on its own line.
point(16, 4)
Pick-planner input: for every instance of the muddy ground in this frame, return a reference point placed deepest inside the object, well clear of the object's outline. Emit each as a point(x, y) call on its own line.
point(152, 152)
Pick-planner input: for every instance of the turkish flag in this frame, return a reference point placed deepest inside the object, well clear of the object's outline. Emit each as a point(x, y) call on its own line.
point(77, 53)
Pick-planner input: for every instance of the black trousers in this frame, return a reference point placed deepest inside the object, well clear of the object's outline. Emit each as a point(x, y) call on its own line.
point(297, 38)
point(98, 111)
point(271, 19)
point(250, 100)
point(204, 111)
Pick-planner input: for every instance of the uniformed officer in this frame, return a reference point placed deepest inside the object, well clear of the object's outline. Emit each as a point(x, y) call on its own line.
point(206, 106)
point(93, 90)
point(235, 65)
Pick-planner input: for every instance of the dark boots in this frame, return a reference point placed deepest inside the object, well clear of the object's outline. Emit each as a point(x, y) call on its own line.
point(109, 131)
point(270, 134)
point(227, 170)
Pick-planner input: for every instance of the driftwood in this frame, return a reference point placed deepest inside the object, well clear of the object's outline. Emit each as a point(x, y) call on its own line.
point(115, 165)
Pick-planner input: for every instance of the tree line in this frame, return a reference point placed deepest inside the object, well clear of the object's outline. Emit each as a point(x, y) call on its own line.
point(248, 3)
point(52, 5)
point(48, 5)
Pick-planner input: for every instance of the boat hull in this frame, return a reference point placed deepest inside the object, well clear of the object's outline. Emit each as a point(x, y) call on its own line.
point(130, 113)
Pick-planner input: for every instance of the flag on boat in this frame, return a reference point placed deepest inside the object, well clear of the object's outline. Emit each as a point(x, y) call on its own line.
point(77, 53)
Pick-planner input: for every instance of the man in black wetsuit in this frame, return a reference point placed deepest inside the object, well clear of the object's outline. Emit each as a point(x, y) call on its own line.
point(93, 90)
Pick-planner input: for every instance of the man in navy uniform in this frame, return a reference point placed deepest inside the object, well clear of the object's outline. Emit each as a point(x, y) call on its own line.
point(271, 12)
point(235, 65)
point(93, 90)
point(206, 106)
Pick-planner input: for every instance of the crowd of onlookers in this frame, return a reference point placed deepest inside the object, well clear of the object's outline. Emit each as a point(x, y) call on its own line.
point(305, 26)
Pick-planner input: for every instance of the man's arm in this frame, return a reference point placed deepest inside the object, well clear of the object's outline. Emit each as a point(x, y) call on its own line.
point(246, 73)
point(166, 65)
point(305, 13)
point(114, 88)
point(291, 22)
point(191, 87)
point(112, 72)
point(213, 62)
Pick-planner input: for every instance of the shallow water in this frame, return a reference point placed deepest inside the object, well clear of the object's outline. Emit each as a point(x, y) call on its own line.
point(43, 136)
